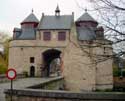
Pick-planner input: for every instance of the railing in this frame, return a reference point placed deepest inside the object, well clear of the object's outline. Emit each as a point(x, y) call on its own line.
point(51, 95)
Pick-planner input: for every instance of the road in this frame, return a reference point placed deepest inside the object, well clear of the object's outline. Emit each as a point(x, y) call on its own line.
point(21, 83)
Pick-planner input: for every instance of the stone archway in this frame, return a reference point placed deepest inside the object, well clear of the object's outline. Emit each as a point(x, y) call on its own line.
point(50, 57)
point(32, 71)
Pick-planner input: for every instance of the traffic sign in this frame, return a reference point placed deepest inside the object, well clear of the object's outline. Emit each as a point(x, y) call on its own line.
point(11, 74)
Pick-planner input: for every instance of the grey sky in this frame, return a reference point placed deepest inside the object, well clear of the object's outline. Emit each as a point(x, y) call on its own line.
point(12, 12)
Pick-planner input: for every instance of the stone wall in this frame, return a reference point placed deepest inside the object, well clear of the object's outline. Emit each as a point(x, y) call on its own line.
point(79, 70)
point(49, 95)
point(103, 59)
point(3, 77)
point(19, 58)
point(53, 84)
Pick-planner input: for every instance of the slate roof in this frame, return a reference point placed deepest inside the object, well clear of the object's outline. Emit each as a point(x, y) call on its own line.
point(56, 22)
point(27, 34)
point(31, 18)
point(86, 17)
point(86, 33)
point(17, 29)
point(17, 33)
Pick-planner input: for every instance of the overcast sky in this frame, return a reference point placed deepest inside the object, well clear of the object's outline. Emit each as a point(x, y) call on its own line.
point(12, 12)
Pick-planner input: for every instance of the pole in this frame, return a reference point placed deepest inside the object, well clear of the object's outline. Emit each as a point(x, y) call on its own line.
point(121, 73)
point(11, 90)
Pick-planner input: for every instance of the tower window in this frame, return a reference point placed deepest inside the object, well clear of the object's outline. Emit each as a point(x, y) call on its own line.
point(46, 36)
point(61, 36)
point(32, 59)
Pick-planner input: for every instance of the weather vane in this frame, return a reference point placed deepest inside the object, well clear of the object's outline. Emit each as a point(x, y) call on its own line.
point(32, 10)
point(85, 9)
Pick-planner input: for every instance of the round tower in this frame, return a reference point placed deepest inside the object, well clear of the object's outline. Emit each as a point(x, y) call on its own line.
point(86, 20)
point(30, 21)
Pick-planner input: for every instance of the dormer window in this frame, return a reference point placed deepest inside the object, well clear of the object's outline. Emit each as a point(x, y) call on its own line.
point(46, 36)
point(61, 36)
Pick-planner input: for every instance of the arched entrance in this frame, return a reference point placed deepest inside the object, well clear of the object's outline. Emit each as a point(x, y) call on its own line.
point(32, 71)
point(50, 59)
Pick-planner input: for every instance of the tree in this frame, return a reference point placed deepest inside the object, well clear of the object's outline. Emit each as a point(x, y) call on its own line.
point(112, 17)
point(4, 42)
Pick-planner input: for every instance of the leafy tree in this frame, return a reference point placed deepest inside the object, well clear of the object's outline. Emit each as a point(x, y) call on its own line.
point(4, 41)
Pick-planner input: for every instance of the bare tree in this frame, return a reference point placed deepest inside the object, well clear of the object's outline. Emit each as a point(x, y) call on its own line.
point(112, 16)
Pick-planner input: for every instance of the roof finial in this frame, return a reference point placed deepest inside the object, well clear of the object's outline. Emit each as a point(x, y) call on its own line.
point(32, 10)
point(57, 11)
point(85, 9)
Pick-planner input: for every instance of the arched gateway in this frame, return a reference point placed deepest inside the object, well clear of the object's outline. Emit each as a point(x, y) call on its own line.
point(51, 62)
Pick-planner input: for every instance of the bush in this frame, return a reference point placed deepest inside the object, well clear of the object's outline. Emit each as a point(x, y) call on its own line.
point(117, 73)
point(3, 69)
point(25, 73)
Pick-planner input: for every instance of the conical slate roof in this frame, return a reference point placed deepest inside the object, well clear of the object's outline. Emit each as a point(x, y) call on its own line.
point(31, 18)
point(86, 17)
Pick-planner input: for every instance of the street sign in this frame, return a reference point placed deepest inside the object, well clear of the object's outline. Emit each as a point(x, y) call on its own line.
point(11, 74)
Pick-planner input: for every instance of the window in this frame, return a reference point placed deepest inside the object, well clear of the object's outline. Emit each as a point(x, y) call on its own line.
point(31, 59)
point(46, 36)
point(61, 36)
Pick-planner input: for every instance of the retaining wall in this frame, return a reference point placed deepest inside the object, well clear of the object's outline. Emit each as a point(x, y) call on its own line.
point(51, 95)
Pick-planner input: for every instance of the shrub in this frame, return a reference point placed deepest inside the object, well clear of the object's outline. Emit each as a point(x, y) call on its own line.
point(117, 72)
point(3, 69)
point(25, 73)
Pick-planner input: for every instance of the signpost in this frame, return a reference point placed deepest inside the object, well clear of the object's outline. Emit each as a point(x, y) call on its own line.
point(11, 75)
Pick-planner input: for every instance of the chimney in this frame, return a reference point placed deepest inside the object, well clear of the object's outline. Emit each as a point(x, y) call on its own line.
point(42, 14)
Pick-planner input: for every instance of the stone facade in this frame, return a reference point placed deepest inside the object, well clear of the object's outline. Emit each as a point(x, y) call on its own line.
point(79, 60)
point(21, 50)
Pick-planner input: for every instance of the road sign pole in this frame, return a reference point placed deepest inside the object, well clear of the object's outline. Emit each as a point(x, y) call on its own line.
point(11, 90)
point(11, 75)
